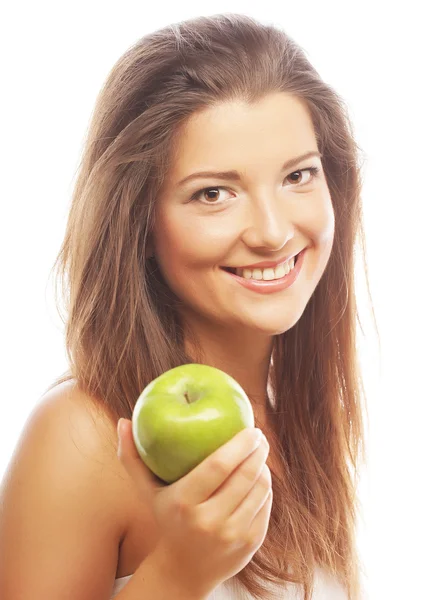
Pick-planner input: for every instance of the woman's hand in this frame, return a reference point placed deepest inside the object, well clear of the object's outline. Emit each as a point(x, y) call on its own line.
point(213, 520)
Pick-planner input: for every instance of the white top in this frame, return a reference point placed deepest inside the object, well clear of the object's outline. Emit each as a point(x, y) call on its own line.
point(325, 588)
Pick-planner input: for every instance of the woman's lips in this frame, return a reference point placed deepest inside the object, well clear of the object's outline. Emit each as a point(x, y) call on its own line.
point(275, 285)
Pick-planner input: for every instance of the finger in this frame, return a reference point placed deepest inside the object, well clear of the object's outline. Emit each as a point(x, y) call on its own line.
point(248, 509)
point(202, 481)
point(145, 481)
point(259, 526)
point(239, 485)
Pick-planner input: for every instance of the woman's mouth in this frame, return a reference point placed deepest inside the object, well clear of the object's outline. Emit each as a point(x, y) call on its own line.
point(268, 280)
point(268, 274)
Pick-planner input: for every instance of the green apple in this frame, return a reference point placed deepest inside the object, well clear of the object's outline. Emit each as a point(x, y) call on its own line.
point(184, 415)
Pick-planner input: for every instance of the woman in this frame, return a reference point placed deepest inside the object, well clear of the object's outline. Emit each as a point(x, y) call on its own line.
point(248, 267)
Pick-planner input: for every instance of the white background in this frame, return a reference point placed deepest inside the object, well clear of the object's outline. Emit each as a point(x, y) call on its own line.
point(385, 61)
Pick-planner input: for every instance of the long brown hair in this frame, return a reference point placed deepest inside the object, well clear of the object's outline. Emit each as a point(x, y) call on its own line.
point(122, 326)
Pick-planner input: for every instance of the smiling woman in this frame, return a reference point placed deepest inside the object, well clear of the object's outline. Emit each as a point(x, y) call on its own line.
point(263, 219)
point(214, 220)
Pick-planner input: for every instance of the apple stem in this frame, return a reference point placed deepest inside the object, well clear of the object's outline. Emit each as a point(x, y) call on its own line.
point(187, 398)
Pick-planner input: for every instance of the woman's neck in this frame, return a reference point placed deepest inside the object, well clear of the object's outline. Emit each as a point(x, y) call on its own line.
point(245, 357)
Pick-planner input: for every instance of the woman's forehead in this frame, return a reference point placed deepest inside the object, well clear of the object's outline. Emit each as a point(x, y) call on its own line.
point(234, 134)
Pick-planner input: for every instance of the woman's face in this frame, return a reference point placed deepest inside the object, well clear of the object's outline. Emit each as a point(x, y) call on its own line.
point(263, 210)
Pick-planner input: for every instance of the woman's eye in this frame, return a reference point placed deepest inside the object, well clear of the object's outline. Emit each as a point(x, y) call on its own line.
point(313, 172)
point(210, 195)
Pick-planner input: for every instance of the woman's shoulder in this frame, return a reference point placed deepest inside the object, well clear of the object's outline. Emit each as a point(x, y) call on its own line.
point(68, 417)
point(65, 499)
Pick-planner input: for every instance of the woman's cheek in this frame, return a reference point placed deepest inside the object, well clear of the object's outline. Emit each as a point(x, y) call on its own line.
point(184, 245)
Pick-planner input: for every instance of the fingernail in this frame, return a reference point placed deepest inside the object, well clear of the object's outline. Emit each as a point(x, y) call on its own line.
point(119, 427)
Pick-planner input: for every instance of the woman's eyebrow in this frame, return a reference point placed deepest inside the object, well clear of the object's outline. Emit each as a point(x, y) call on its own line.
point(235, 176)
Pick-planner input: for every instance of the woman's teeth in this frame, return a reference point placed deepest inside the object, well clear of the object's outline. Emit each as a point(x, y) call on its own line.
point(267, 274)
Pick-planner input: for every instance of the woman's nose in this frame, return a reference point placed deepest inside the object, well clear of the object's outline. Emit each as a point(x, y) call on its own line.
point(269, 226)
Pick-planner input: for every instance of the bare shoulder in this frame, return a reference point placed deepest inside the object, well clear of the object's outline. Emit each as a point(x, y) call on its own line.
point(68, 420)
point(64, 502)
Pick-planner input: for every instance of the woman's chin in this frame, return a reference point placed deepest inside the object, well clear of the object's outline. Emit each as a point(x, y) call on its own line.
point(272, 326)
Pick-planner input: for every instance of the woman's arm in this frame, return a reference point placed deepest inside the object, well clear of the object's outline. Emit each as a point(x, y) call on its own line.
point(60, 506)
point(151, 582)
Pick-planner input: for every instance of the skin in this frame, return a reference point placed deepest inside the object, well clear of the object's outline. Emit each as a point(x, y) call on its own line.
point(265, 215)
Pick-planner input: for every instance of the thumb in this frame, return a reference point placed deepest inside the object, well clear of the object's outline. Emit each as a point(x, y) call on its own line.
point(146, 482)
